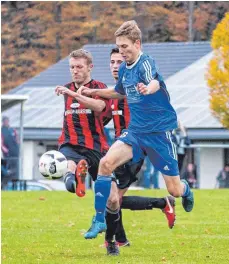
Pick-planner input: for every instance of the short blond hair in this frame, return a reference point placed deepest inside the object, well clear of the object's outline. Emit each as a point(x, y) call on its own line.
point(130, 30)
point(81, 53)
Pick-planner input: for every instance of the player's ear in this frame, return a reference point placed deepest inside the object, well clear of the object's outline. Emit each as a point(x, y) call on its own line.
point(91, 67)
point(138, 43)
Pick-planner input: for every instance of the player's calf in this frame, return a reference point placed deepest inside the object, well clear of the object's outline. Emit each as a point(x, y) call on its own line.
point(187, 197)
point(112, 218)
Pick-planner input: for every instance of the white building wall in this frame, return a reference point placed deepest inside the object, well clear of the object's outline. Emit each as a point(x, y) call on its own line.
point(39, 150)
point(28, 161)
point(211, 162)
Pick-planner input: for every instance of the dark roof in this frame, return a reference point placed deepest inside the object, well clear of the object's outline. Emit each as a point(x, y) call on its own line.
point(170, 58)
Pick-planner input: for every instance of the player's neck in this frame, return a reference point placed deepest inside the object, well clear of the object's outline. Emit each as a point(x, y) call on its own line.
point(131, 65)
point(78, 85)
point(135, 59)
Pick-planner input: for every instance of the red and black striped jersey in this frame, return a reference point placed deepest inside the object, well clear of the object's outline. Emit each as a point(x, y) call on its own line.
point(83, 126)
point(120, 115)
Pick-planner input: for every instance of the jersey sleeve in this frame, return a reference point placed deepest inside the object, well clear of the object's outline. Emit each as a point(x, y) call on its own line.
point(119, 87)
point(148, 71)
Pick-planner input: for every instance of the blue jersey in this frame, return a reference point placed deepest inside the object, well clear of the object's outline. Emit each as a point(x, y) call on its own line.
point(148, 113)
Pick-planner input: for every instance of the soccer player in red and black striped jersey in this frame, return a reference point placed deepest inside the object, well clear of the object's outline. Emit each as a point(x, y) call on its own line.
point(82, 140)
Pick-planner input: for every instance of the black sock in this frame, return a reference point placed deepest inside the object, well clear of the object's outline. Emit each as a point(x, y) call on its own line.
point(112, 218)
point(70, 181)
point(120, 234)
point(142, 203)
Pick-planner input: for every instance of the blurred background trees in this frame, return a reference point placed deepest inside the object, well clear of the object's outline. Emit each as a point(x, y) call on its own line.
point(37, 34)
point(218, 74)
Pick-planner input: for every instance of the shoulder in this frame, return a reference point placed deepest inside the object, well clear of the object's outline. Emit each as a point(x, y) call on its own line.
point(122, 66)
point(98, 84)
point(121, 70)
point(145, 58)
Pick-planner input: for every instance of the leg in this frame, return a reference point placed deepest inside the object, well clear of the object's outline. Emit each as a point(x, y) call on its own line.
point(155, 179)
point(118, 154)
point(120, 234)
point(112, 213)
point(162, 153)
point(112, 220)
point(180, 188)
point(126, 177)
point(147, 174)
point(69, 178)
point(166, 204)
point(77, 169)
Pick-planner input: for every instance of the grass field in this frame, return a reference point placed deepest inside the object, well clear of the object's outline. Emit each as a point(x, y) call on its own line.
point(48, 227)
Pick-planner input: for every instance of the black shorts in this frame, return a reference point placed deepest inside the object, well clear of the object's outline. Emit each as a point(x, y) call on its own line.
point(76, 153)
point(127, 173)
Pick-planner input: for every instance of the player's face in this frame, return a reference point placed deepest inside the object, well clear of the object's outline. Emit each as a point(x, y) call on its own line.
point(128, 49)
point(80, 70)
point(6, 123)
point(115, 61)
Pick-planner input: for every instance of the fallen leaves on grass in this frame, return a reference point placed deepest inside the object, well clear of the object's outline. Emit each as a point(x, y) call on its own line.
point(70, 224)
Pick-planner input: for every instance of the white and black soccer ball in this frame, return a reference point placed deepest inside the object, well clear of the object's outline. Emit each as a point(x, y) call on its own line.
point(53, 164)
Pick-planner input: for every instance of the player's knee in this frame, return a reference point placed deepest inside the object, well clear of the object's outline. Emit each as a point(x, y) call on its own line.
point(175, 192)
point(106, 166)
point(113, 201)
point(71, 165)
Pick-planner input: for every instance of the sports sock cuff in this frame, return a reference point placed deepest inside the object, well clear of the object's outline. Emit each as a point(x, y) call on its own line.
point(104, 178)
point(186, 189)
point(68, 173)
point(112, 211)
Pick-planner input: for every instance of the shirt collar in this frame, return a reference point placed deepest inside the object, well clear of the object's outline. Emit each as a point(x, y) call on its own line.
point(132, 65)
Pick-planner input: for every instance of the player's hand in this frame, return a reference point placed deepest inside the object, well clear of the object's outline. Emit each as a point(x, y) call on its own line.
point(84, 91)
point(60, 90)
point(142, 88)
point(64, 90)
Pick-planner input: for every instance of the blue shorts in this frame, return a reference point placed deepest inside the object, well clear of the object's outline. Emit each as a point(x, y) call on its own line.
point(159, 147)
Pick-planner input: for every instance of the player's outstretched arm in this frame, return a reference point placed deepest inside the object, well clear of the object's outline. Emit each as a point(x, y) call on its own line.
point(109, 93)
point(93, 104)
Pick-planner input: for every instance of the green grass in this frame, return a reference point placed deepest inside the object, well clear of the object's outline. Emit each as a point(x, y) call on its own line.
point(50, 230)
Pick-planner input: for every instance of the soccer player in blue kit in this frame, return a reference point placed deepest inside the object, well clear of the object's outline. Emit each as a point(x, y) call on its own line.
point(152, 119)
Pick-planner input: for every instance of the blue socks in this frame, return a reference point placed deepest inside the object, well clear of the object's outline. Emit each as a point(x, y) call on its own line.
point(102, 192)
point(186, 189)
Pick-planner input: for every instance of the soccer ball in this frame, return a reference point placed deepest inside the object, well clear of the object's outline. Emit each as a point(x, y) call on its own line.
point(53, 164)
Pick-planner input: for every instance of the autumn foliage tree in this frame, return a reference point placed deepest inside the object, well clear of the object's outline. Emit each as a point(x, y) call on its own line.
point(37, 34)
point(218, 73)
